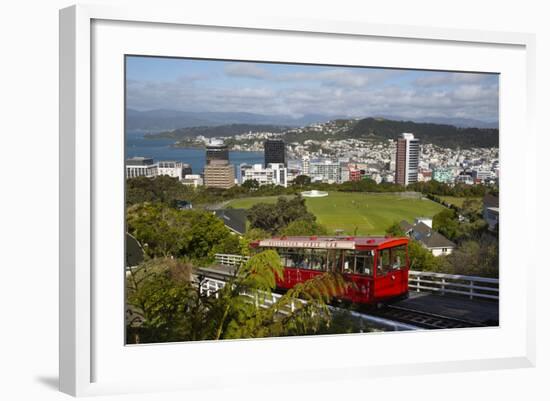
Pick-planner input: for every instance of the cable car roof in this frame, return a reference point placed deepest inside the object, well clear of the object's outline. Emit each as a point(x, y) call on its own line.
point(332, 242)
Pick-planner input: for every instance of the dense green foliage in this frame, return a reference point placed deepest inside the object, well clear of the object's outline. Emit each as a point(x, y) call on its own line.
point(166, 232)
point(460, 190)
point(304, 227)
point(165, 306)
point(162, 189)
point(274, 217)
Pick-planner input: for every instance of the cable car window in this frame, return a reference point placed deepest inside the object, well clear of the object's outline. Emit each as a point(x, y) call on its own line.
point(318, 259)
point(364, 262)
point(334, 260)
point(383, 265)
point(294, 258)
point(349, 262)
point(398, 257)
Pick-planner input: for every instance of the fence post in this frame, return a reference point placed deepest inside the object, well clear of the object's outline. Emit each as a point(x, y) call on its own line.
point(471, 289)
point(443, 286)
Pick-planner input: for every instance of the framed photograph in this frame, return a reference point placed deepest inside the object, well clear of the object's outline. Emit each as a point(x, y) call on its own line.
point(236, 195)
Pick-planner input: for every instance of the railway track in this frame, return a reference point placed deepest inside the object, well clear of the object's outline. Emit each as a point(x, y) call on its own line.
point(422, 319)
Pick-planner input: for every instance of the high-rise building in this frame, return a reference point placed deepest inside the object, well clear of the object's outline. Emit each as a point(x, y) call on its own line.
point(216, 150)
point(219, 174)
point(274, 152)
point(406, 159)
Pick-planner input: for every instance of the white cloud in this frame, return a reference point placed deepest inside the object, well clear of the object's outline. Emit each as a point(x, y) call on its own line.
point(246, 70)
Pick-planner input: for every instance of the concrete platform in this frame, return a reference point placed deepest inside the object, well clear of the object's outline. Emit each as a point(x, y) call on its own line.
point(471, 310)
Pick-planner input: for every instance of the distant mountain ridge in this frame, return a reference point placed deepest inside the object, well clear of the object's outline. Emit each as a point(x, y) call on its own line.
point(444, 135)
point(168, 120)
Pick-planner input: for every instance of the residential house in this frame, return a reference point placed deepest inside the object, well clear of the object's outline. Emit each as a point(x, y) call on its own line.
point(430, 239)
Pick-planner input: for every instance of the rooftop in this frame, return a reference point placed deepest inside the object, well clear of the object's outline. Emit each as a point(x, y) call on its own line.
point(346, 242)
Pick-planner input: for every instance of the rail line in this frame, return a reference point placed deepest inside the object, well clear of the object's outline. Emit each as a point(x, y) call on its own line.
point(422, 319)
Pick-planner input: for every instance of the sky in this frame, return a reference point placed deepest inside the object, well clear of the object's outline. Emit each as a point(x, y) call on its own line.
point(296, 90)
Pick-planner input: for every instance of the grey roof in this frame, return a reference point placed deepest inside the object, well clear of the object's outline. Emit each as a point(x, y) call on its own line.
point(405, 226)
point(436, 240)
point(234, 219)
point(424, 234)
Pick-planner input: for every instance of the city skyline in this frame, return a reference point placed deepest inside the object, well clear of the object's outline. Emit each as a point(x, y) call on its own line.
point(297, 90)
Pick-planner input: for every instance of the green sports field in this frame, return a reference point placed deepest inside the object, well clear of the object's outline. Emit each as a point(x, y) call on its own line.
point(366, 213)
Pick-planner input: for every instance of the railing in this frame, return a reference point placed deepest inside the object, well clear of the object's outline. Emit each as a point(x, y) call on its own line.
point(444, 284)
point(470, 286)
point(212, 287)
point(230, 260)
point(262, 299)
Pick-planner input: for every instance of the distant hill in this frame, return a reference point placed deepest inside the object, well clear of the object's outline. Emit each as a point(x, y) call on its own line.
point(437, 134)
point(167, 120)
point(443, 135)
point(217, 131)
point(455, 121)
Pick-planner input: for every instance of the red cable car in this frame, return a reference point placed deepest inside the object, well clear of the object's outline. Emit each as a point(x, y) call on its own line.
point(378, 266)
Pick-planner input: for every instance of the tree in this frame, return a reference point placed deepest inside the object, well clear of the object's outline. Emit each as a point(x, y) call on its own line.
point(167, 232)
point(446, 222)
point(251, 185)
point(304, 227)
point(302, 180)
point(272, 218)
point(477, 257)
point(157, 295)
point(166, 306)
point(163, 189)
point(254, 234)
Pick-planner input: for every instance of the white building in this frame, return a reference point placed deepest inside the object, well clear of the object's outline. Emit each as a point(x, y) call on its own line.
point(141, 167)
point(326, 171)
point(173, 169)
point(274, 173)
point(193, 180)
point(305, 165)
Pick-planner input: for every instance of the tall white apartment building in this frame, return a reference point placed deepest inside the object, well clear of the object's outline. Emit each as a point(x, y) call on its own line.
point(274, 173)
point(406, 159)
point(325, 170)
point(305, 165)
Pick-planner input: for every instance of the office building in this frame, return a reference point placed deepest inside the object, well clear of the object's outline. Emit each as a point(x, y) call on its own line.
point(406, 159)
point(174, 169)
point(141, 167)
point(274, 152)
point(216, 150)
point(274, 174)
point(325, 170)
point(219, 174)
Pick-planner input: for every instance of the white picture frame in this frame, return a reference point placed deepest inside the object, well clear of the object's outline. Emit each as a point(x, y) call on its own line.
point(88, 357)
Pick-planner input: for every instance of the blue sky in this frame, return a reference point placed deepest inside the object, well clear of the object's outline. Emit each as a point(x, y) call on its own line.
point(296, 90)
